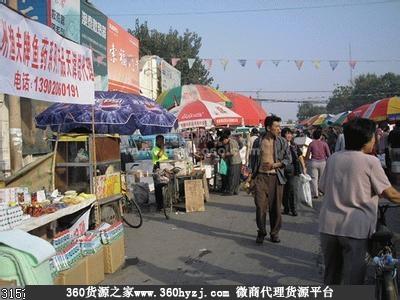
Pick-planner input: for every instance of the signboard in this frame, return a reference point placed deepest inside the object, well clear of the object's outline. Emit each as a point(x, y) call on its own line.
point(122, 59)
point(35, 10)
point(81, 226)
point(64, 18)
point(170, 76)
point(41, 64)
point(94, 36)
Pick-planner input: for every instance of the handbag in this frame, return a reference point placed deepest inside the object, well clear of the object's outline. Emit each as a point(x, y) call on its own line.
point(160, 177)
point(223, 167)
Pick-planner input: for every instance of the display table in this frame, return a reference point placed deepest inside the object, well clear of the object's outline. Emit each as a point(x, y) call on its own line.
point(36, 222)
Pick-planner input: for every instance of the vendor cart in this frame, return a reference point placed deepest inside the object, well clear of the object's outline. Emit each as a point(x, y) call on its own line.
point(88, 166)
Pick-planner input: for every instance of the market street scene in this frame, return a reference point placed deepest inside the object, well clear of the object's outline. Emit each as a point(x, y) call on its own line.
point(244, 149)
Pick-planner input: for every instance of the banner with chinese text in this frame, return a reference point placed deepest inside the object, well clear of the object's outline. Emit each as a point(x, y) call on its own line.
point(94, 36)
point(64, 18)
point(122, 59)
point(38, 63)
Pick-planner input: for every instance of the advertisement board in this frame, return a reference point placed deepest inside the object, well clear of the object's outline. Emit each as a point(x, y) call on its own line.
point(41, 64)
point(94, 36)
point(170, 76)
point(122, 59)
point(64, 18)
point(36, 10)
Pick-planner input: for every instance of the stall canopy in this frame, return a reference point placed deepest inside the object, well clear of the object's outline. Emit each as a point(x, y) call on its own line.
point(205, 114)
point(338, 119)
point(114, 112)
point(251, 111)
point(186, 94)
point(387, 109)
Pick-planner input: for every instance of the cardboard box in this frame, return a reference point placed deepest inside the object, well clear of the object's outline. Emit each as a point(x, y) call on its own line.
point(114, 255)
point(77, 275)
point(95, 267)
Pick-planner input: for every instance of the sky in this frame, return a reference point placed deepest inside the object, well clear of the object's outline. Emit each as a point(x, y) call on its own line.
point(278, 30)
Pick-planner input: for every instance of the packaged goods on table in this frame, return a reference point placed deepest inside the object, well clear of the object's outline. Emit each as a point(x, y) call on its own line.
point(110, 233)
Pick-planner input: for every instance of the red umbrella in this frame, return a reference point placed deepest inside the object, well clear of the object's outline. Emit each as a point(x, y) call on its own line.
point(251, 110)
point(384, 109)
point(205, 114)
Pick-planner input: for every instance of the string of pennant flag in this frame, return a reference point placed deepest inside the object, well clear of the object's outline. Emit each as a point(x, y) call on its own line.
point(208, 62)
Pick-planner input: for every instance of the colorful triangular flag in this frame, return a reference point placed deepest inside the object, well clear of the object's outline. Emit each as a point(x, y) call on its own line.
point(174, 61)
point(259, 63)
point(191, 62)
point(299, 64)
point(352, 64)
point(276, 62)
point(333, 64)
point(208, 63)
point(242, 62)
point(317, 63)
point(224, 62)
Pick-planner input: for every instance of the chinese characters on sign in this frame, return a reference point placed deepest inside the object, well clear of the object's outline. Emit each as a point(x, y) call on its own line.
point(36, 10)
point(65, 18)
point(94, 36)
point(41, 64)
point(123, 59)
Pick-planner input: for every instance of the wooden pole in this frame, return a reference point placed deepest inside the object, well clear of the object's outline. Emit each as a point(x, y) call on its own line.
point(94, 161)
point(53, 171)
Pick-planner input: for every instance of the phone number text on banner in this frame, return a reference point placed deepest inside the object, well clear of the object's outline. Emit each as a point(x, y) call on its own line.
point(37, 63)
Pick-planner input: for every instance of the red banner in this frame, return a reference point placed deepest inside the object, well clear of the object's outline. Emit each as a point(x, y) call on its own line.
point(123, 59)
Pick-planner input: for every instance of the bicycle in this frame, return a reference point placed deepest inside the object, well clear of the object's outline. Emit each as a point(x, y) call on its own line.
point(382, 251)
point(170, 192)
point(131, 212)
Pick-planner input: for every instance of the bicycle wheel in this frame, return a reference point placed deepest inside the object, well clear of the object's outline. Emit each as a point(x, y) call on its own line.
point(167, 201)
point(132, 214)
point(389, 291)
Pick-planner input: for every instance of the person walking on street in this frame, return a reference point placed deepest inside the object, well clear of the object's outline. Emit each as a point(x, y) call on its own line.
point(352, 183)
point(235, 164)
point(394, 146)
point(317, 154)
point(158, 154)
point(292, 171)
point(268, 159)
point(340, 143)
point(250, 141)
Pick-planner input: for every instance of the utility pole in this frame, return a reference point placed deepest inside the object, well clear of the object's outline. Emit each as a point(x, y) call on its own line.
point(15, 122)
point(351, 69)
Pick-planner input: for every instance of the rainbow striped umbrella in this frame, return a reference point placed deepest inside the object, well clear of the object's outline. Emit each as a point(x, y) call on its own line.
point(186, 94)
point(384, 109)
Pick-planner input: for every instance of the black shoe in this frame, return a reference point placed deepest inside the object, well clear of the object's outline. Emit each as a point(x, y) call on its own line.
point(294, 213)
point(285, 212)
point(227, 194)
point(260, 238)
point(275, 239)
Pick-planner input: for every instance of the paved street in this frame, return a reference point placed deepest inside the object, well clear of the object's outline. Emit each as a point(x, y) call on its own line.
point(218, 247)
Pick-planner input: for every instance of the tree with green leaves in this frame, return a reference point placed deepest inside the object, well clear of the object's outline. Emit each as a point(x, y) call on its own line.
point(365, 89)
point(174, 45)
point(308, 110)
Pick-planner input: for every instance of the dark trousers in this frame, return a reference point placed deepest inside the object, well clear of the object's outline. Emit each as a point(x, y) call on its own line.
point(344, 259)
point(158, 192)
point(234, 179)
point(268, 197)
point(289, 198)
